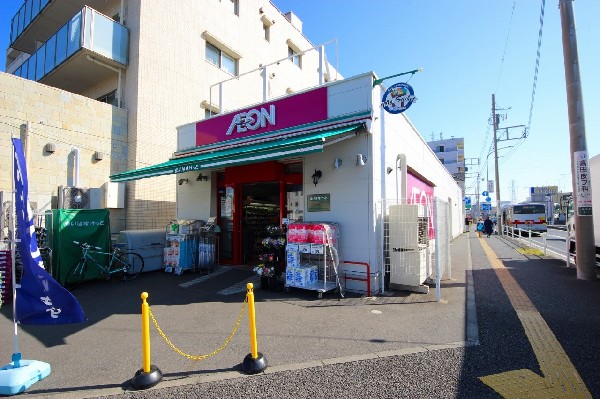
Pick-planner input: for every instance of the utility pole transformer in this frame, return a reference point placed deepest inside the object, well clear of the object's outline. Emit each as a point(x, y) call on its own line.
point(584, 227)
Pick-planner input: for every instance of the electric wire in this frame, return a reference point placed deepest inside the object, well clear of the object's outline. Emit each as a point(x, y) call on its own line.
point(533, 90)
point(487, 133)
point(53, 137)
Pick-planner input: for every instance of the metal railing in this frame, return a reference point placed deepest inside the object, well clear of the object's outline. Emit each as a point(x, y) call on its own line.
point(525, 235)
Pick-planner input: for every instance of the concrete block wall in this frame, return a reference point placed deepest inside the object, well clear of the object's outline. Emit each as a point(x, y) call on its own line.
point(66, 120)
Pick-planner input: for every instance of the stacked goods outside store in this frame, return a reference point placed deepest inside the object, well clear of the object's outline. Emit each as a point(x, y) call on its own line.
point(312, 259)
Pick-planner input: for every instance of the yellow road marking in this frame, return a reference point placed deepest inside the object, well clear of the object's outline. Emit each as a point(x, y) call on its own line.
point(559, 377)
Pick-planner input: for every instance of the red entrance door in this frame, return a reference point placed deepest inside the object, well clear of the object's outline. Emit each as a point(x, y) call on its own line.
point(249, 197)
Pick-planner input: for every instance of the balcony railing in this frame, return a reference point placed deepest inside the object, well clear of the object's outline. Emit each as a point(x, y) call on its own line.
point(26, 14)
point(88, 29)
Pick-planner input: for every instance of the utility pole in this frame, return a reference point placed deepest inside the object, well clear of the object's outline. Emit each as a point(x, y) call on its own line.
point(495, 125)
point(582, 190)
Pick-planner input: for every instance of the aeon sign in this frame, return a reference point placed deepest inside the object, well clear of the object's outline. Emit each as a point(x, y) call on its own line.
point(252, 120)
point(297, 110)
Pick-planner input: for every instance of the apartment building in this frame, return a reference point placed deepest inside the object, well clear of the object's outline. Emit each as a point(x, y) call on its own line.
point(98, 87)
point(451, 153)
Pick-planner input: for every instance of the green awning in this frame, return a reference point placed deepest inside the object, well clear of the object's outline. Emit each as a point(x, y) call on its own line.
point(260, 152)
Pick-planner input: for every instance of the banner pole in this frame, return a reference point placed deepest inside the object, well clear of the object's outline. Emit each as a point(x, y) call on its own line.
point(16, 357)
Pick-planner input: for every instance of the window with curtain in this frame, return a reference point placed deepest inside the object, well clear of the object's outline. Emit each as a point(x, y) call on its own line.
point(220, 59)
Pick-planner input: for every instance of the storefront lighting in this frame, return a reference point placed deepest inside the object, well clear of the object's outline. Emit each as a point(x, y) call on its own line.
point(181, 181)
point(201, 177)
point(316, 176)
point(361, 160)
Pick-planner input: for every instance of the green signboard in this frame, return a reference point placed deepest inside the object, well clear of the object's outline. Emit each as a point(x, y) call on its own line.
point(318, 202)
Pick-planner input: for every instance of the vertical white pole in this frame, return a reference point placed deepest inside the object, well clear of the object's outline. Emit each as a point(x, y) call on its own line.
point(568, 246)
point(321, 73)
point(265, 80)
point(13, 254)
point(16, 356)
point(438, 290)
point(221, 109)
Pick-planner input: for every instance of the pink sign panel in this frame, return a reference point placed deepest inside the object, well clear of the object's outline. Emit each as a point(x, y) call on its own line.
point(420, 192)
point(271, 116)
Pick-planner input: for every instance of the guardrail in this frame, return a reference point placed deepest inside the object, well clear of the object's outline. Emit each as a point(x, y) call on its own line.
point(525, 236)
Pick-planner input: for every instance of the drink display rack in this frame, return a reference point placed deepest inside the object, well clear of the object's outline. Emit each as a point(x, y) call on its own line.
point(312, 259)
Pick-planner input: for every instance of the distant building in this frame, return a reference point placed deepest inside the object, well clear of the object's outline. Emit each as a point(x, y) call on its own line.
point(451, 153)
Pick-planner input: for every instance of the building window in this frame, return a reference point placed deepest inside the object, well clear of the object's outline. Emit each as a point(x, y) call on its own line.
point(267, 31)
point(109, 98)
point(441, 160)
point(440, 148)
point(294, 57)
point(220, 59)
point(235, 6)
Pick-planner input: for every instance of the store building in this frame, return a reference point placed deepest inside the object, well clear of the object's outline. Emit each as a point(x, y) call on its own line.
point(332, 153)
point(114, 79)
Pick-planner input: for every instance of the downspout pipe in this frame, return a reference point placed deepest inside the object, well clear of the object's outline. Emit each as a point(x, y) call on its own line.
point(401, 164)
point(75, 152)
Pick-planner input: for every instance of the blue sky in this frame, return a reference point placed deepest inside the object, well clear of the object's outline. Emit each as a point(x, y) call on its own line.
point(469, 50)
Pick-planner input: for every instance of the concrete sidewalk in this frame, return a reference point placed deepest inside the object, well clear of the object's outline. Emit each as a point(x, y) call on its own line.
point(295, 329)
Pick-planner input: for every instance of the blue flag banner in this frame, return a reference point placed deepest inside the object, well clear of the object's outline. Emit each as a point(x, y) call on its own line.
point(40, 299)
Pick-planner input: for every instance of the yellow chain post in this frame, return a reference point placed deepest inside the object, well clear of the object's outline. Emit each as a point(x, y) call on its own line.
point(254, 362)
point(149, 375)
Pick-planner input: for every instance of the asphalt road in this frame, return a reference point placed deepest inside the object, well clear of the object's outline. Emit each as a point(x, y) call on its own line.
point(403, 345)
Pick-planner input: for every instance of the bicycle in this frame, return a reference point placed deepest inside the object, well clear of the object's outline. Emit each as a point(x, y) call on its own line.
point(124, 265)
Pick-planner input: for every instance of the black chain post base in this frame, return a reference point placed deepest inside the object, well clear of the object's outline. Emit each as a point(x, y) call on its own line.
point(143, 380)
point(254, 366)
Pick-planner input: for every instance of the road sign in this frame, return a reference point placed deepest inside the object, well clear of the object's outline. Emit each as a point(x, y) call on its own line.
point(486, 207)
point(467, 200)
point(488, 199)
point(485, 193)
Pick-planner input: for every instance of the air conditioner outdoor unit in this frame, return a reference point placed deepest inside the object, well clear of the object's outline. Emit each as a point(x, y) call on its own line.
point(74, 198)
point(408, 242)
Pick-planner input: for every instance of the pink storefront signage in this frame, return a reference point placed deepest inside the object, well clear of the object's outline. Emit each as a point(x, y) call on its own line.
point(420, 192)
point(271, 116)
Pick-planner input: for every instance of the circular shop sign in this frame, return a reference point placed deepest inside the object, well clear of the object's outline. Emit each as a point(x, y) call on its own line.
point(398, 98)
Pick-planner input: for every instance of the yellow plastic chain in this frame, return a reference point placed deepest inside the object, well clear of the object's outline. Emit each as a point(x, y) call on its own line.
point(200, 357)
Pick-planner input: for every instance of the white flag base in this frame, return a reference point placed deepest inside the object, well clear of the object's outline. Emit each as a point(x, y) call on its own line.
point(16, 379)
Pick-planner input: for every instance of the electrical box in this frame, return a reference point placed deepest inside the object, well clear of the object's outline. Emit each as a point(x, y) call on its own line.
point(114, 195)
point(408, 245)
point(95, 195)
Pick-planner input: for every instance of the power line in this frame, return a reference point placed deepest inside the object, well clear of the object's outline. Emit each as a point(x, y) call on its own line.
point(533, 90)
point(505, 46)
point(537, 63)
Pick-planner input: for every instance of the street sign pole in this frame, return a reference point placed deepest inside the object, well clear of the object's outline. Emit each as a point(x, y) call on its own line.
point(584, 228)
